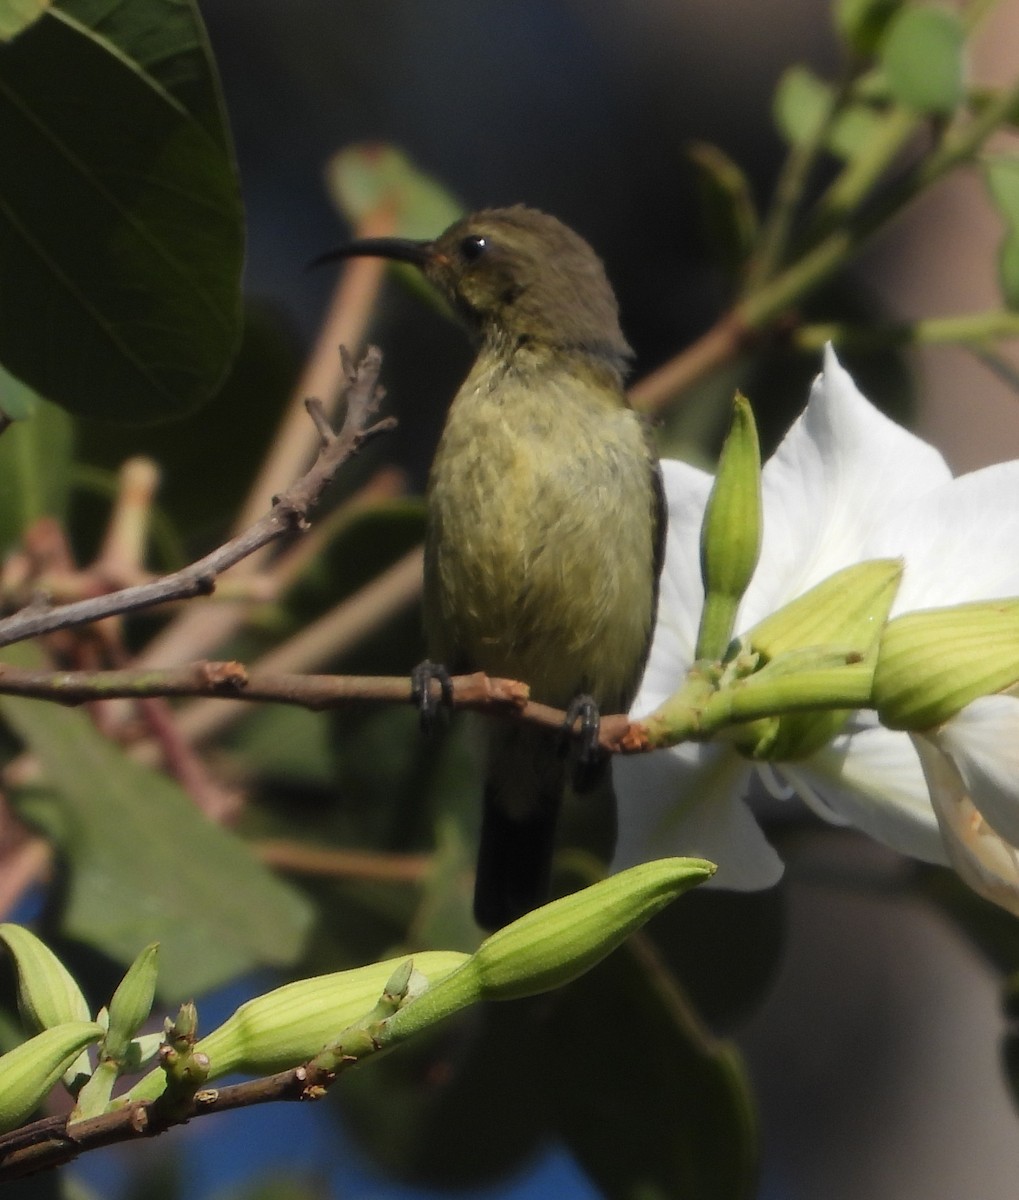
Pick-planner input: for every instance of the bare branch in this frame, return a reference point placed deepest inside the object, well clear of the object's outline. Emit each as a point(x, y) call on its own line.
point(231, 680)
point(298, 858)
point(52, 1141)
point(289, 513)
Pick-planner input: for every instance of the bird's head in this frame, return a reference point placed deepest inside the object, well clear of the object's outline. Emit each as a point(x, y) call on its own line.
point(518, 277)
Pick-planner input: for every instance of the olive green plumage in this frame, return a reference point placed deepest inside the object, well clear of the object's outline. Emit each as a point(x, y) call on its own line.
point(544, 513)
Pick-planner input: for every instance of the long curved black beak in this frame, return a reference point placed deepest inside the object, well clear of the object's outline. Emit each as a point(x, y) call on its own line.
point(397, 249)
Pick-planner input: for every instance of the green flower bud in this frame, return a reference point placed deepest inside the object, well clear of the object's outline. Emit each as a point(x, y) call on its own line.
point(29, 1071)
point(731, 532)
point(290, 1025)
point(553, 944)
point(131, 1003)
point(47, 992)
point(932, 663)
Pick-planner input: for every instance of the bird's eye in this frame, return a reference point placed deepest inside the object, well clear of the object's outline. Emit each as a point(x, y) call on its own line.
point(473, 247)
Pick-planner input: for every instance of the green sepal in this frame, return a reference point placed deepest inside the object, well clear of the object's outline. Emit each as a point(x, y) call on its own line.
point(94, 1096)
point(817, 656)
point(30, 1070)
point(931, 664)
point(731, 531)
point(846, 611)
point(794, 705)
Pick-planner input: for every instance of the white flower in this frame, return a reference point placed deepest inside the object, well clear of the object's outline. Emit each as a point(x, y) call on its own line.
point(846, 485)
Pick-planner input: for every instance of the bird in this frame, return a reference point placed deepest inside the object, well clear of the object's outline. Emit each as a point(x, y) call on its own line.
point(545, 519)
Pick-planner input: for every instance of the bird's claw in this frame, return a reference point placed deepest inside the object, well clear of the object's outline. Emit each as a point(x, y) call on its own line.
point(421, 692)
point(590, 759)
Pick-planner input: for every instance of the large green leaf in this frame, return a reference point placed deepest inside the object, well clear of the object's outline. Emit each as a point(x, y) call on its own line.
point(143, 864)
point(16, 15)
point(120, 217)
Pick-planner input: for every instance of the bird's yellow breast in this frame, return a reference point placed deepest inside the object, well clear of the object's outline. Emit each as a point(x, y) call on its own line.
point(541, 540)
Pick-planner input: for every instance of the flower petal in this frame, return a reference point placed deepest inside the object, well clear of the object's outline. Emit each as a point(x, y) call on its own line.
point(872, 779)
point(982, 859)
point(983, 742)
point(681, 590)
point(959, 541)
point(839, 471)
point(688, 801)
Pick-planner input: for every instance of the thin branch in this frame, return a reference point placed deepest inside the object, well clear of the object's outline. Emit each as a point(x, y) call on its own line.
point(215, 624)
point(54, 1141)
point(231, 680)
point(326, 638)
point(764, 307)
point(357, 289)
point(298, 858)
point(288, 514)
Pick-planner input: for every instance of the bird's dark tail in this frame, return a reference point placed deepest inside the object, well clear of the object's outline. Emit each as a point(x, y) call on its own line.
point(523, 795)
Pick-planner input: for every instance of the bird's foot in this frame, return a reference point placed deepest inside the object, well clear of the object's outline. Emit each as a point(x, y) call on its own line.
point(590, 760)
point(421, 692)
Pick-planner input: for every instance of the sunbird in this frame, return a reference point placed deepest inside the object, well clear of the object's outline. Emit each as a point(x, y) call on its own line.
point(545, 522)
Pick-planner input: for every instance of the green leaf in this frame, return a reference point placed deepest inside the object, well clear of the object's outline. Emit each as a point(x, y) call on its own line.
point(1001, 173)
point(16, 400)
point(120, 214)
point(35, 460)
point(727, 206)
point(372, 182)
point(803, 103)
point(862, 23)
point(204, 478)
point(676, 1100)
point(370, 178)
point(16, 15)
point(922, 57)
point(144, 864)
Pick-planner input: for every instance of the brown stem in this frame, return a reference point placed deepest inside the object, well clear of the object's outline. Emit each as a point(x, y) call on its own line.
point(299, 859)
point(53, 1141)
point(480, 692)
point(722, 342)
